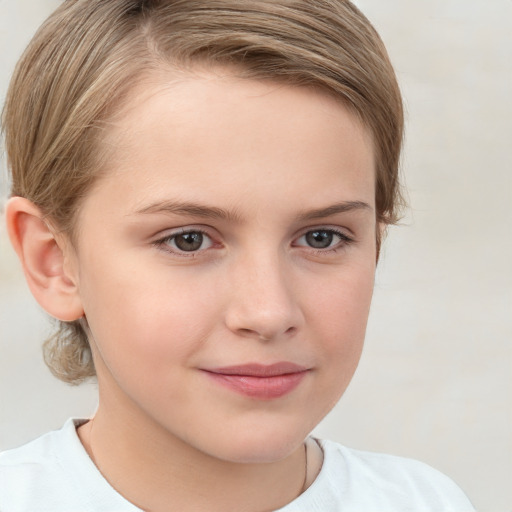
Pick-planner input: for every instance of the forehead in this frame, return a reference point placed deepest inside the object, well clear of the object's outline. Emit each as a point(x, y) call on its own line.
point(189, 93)
point(211, 130)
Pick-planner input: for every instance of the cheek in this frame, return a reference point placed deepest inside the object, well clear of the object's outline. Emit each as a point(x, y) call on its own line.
point(143, 320)
point(336, 326)
point(341, 314)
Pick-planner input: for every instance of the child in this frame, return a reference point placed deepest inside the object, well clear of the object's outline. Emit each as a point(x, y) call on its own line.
point(200, 190)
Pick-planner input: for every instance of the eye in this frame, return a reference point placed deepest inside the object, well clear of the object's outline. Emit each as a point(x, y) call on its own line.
point(323, 239)
point(186, 241)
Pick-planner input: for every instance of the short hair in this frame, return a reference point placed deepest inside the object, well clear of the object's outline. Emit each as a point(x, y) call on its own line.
point(87, 56)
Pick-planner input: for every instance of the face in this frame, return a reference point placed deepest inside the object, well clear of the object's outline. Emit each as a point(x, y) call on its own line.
point(225, 262)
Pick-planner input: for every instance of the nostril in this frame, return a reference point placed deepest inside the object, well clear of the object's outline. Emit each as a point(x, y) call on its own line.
point(252, 333)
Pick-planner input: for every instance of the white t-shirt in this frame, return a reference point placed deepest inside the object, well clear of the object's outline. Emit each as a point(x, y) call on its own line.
point(55, 474)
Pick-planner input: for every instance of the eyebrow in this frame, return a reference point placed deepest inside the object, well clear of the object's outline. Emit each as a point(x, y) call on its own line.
point(342, 207)
point(190, 209)
point(213, 212)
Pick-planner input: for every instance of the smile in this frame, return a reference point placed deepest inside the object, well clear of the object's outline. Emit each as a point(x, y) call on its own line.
point(262, 382)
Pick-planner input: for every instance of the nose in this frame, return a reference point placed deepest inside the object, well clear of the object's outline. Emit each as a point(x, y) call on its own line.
point(263, 299)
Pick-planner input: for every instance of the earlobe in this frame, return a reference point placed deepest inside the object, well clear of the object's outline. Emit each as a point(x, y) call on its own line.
point(43, 260)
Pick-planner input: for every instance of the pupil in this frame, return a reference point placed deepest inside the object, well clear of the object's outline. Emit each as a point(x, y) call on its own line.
point(319, 239)
point(189, 241)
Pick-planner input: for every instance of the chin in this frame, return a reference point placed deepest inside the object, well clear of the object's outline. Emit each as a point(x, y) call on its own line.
point(259, 445)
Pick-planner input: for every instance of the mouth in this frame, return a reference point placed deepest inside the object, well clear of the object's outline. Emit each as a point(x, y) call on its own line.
point(262, 382)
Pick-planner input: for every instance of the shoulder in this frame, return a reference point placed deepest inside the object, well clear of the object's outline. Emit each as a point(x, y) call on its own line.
point(393, 480)
point(25, 471)
point(353, 480)
point(30, 458)
point(54, 474)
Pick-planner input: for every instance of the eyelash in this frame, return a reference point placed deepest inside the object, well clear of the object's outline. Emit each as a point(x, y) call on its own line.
point(163, 243)
point(344, 241)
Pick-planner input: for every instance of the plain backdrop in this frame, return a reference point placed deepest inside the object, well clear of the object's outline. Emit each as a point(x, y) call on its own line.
point(435, 379)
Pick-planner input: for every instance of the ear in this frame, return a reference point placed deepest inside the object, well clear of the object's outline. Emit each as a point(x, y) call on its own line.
point(382, 229)
point(44, 260)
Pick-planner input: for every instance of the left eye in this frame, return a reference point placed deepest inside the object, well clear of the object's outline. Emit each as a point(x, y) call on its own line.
point(321, 239)
point(189, 241)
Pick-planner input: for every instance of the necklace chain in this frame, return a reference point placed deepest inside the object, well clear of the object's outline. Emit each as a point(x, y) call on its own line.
point(305, 483)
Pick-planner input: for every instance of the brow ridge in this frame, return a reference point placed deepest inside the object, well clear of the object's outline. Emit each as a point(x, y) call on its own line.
point(342, 207)
point(213, 212)
point(189, 208)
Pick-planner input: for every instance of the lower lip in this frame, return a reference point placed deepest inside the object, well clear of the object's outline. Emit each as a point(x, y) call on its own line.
point(261, 388)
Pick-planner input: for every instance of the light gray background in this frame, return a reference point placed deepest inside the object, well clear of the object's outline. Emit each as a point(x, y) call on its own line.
point(435, 379)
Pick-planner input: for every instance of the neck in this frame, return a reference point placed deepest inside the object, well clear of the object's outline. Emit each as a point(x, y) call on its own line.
point(152, 468)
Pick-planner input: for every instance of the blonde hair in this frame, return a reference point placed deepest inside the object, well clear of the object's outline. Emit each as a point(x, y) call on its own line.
point(89, 53)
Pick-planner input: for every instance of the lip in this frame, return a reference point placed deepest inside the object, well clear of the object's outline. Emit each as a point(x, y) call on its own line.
point(259, 381)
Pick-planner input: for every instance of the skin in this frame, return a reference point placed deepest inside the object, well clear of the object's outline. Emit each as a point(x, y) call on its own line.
point(262, 164)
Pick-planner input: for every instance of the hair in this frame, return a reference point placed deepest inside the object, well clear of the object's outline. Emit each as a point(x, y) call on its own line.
point(87, 56)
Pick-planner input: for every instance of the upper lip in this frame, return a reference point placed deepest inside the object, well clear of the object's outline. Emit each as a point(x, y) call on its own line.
point(260, 370)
